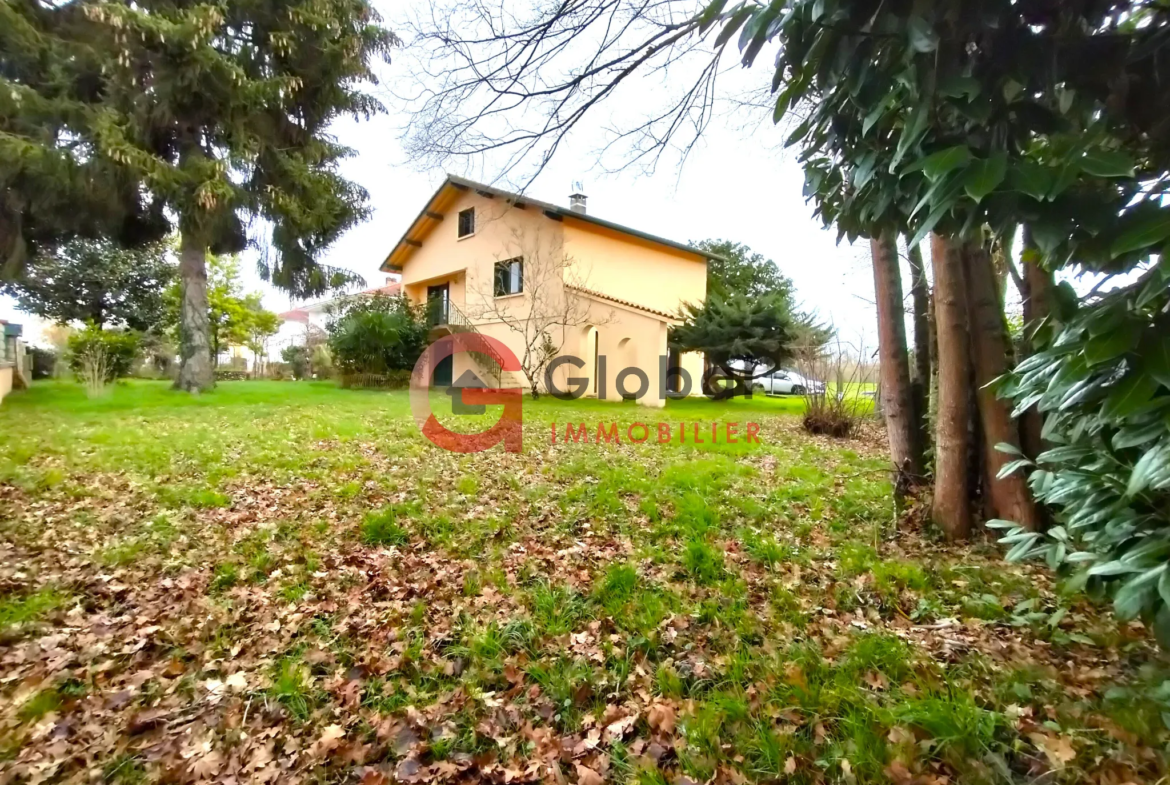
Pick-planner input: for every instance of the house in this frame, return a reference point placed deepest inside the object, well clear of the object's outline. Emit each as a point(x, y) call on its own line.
point(305, 324)
point(480, 258)
point(15, 370)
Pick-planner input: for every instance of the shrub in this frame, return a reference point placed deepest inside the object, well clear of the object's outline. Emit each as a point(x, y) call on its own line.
point(831, 409)
point(391, 380)
point(230, 375)
point(44, 362)
point(376, 335)
point(297, 358)
point(321, 361)
point(99, 356)
point(1101, 379)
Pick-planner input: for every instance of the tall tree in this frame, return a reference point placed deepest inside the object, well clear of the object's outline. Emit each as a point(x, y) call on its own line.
point(951, 508)
point(96, 281)
point(220, 112)
point(735, 269)
point(1009, 495)
point(902, 428)
point(920, 299)
point(55, 184)
point(234, 318)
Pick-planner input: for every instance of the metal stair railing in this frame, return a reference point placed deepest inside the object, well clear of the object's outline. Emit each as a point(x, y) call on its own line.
point(444, 313)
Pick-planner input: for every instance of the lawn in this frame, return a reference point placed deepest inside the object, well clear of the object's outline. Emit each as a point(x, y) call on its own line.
point(285, 581)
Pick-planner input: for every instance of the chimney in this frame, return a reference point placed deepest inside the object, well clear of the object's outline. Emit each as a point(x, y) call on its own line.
point(577, 198)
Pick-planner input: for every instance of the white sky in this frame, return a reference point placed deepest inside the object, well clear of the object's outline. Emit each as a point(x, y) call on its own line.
point(735, 185)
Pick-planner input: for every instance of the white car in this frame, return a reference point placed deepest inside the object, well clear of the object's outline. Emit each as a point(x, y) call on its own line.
point(789, 383)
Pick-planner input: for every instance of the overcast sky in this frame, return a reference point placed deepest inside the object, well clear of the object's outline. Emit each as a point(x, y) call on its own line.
point(735, 185)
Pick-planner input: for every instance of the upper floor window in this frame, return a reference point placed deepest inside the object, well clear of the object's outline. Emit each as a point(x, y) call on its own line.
point(467, 222)
point(509, 277)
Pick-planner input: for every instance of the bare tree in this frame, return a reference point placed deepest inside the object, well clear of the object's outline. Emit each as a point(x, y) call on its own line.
point(551, 300)
point(492, 80)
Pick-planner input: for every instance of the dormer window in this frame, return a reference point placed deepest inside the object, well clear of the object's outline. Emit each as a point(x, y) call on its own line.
point(467, 222)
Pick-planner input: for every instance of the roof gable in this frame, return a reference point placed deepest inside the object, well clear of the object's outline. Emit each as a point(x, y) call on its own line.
point(452, 187)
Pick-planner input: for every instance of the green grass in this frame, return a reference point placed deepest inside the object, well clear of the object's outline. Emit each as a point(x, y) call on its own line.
point(310, 538)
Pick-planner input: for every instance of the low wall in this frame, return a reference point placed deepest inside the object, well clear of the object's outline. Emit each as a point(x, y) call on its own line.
point(5, 380)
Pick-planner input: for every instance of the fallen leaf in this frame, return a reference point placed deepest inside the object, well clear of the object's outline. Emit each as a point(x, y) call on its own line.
point(1058, 749)
point(329, 740)
point(898, 772)
point(587, 776)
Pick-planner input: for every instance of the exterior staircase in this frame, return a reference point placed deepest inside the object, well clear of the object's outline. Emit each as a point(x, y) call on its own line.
point(445, 318)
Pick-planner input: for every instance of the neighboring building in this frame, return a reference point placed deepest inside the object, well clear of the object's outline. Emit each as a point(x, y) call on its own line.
point(484, 259)
point(15, 370)
point(306, 323)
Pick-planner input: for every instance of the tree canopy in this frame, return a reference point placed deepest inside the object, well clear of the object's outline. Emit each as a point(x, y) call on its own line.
point(98, 282)
point(735, 269)
point(745, 337)
point(211, 114)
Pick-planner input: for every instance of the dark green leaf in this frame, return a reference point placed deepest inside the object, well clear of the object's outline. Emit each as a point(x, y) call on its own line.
point(1107, 163)
point(1129, 395)
point(936, 165)
point(922, 37)
point(1032, 179)
point(984, 176)
point(1162, 633)
point(1149, 230)
point(1109, 346)
point(1148, 466)
point(1156, 359)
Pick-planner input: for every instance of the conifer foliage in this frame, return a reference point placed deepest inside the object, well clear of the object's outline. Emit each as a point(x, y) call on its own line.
point(212, 116)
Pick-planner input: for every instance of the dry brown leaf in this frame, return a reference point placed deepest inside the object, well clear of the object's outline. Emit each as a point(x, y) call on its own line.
point(1058, 749)
point(587, 776)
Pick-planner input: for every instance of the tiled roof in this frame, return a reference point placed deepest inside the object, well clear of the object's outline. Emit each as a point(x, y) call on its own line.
point(412, 235)
point(620, 301)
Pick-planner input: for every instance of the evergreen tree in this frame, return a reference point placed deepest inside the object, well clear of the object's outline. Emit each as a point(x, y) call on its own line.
point(743, 337)
point(218, 113)
point(55, 183)
point(98, 282)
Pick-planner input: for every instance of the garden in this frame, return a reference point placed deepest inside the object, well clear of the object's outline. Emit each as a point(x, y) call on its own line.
point(287, 582)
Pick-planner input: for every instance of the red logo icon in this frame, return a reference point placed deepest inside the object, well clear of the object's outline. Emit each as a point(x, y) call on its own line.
point(508, 429)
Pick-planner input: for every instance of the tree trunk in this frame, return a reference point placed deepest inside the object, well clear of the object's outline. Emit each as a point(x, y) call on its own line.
point(951, 510)
point(897, 398)
point(1036, 293)
point(195, 370)
point(1009, 497)
point(920, 377)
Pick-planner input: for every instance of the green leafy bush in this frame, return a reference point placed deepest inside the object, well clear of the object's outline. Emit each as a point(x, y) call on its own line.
point(117, 350)
point(376, 335)
point(44, 362)
point(1102, 381)
point(297, 358)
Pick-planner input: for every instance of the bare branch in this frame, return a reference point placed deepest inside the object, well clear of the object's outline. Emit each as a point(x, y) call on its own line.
point(514, 85)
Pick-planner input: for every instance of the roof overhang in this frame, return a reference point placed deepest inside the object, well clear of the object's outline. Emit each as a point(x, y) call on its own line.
point(453, 187)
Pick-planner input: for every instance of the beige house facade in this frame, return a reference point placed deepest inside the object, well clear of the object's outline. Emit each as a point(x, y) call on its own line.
point(551, 281)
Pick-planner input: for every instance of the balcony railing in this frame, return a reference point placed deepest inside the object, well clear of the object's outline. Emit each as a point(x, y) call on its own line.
point(444, 313)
